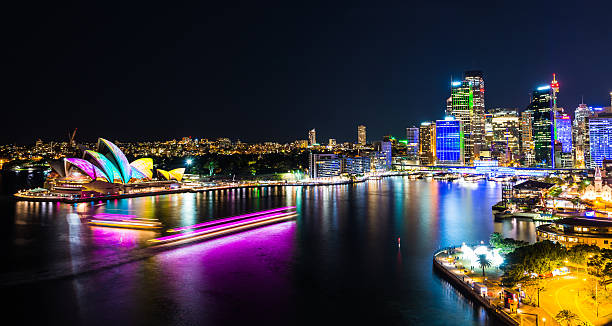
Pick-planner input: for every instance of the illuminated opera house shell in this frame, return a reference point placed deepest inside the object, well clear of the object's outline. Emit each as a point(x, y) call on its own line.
point(109, 164)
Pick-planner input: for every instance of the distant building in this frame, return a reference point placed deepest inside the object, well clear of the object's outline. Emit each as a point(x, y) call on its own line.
point(361, 135)
point(449, 142)
point(427, 143)
point(331, 142)
point(506, 129)
point(412, 142)
point(563, 131)
point(581, 135)
point(543, 132)
point(312, 137)
point(600, 139)
point(358, 165)
point(527, 143)
point(324, 165)
point(466, 104)
point(387, 150)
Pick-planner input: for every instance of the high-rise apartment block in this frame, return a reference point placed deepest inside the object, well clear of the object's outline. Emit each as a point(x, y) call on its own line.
point(361, 135)
point(312, 137)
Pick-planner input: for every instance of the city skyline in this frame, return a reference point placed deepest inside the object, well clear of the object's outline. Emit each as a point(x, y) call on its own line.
point(219, 72)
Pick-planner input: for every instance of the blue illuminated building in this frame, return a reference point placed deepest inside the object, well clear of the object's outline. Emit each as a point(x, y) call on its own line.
point(600, 139)
point(563, 132)
point(449, 141)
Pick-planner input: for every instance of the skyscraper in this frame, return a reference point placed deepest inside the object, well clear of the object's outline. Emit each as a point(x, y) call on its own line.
point(449, 142)
point(361, 135)
point(427, 143)
point(527, 144)
point(600, 139)
point(312, 137)
point(412, 142)
point(506, 129)
point(543, 132)
point(563, 131)
point(466, 104)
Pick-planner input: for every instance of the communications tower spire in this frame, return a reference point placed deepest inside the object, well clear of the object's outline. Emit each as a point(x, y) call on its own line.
point(554, 85)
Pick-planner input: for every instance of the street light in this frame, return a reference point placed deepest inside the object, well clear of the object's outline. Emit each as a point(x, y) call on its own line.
point(188, 161)
point(544, 320)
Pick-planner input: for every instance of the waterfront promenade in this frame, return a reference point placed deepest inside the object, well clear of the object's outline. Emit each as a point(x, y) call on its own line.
point(573, 292)
point(463, 278)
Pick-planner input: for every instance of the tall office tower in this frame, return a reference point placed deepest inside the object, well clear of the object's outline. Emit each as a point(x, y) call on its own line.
point(312, 137)
point(506, 128)
point(600, 136)
point(527, 143)
point(543, 126)
point(412, 142)
point(427, 143)
point(581, 135)
point(361, 135)
point(466, 104)
point(449, 142)
point(387, 150)
point(563, 131)
point(488, 134)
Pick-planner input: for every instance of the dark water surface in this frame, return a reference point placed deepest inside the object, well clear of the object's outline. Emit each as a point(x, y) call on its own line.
point(337, 263)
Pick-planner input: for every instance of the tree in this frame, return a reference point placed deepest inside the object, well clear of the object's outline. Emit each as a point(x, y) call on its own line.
point(505, 245)
point(483, 262)
point(566, 316)
point(600, 265)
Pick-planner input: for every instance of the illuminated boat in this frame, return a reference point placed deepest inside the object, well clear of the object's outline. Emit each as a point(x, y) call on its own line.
point(226, 226)
point(124, 221)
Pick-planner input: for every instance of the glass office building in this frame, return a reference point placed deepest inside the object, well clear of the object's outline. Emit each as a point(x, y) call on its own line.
point(449, 142)
point(600, 139)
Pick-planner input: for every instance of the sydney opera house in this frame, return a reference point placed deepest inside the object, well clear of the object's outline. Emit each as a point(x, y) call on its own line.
point(108, 172)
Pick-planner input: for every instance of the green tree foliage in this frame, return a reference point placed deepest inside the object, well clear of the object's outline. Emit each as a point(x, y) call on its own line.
point(600, 265)
point(540, 258)
point(505, 245)
point(579, 254)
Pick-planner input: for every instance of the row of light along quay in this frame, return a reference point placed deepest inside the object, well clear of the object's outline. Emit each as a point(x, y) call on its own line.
point(562, 277)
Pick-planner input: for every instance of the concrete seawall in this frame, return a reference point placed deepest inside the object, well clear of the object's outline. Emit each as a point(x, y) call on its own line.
point(467, 290)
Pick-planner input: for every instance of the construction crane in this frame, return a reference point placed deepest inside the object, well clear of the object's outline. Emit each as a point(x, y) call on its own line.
point(71, 141)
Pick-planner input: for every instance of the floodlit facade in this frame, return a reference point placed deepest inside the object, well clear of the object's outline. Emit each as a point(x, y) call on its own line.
point(563, 131)
point(466, 104)
point(543, 131)
point(312, 137)
point(449, 142)
point(600, 139)
point(361, 135)
point(108, 164)
point(427, 143)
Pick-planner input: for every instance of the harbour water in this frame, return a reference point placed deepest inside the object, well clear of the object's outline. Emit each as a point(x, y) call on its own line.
point(339, 262)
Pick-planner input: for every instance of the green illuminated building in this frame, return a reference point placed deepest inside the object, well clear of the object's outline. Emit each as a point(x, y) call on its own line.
point(466, 104)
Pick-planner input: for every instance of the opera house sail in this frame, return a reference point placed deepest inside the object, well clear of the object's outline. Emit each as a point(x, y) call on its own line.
point(107, 171)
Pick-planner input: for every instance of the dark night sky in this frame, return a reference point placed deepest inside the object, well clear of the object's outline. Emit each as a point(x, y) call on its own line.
point(262, 70)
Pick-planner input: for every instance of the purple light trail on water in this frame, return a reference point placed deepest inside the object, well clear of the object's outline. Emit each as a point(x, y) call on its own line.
point(229, 219)
point(220, 227)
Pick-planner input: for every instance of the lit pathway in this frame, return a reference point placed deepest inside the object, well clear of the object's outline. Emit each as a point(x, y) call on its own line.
point(569, 292)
